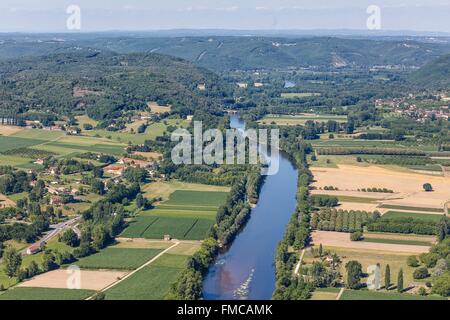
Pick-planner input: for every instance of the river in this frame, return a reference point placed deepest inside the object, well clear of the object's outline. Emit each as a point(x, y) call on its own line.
point(246, 270)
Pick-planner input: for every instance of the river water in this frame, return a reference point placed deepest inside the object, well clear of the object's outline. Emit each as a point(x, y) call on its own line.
point(246, 270)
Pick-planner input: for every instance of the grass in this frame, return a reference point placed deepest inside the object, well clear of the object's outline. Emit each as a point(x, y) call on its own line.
point(118, 258)
point(398, 241)
point(372, 257)
point(356, 199)
point(376, 295)
point(178, 228)
point(299, 95)
point(300, 119)
point(45, 294)
point(197, 198)
point(11, 143)
point(325, 294)
point(150, 283)
point(46, 135)
point(415, 215)
point(164, 189)
point(391, 206)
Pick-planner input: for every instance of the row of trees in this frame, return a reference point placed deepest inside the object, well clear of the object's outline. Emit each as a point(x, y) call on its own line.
point(341, 220)
point(373, 151)
point(403, 225)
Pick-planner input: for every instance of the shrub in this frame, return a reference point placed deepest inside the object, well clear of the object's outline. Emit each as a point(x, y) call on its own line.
point(412, 261)
point(427, 187)
point(422, 291)
point(421, 273)
point(356, 236)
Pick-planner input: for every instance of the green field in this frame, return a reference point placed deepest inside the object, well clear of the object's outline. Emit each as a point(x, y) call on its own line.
point(374, 295)
point(196, 199)
point(415, 215)
point(158, 276)
point(11, 143)
point(356, 199)
point(299, 95)
point(391, 206)
point(118, 258)
point(398, 241)
point(45, 294)
point(39, 134)
point(155, 227)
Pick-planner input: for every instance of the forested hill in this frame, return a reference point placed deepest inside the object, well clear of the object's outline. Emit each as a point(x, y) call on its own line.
point(436, 74)
point(230, 53)
point(104, 83)
point(224, 53)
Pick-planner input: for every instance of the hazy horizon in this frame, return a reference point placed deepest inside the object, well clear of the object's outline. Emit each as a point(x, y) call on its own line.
point(47, 16)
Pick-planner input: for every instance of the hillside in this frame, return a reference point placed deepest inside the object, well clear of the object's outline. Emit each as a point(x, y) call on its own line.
point(436, 74)
point(229, 53)
point(223, 53)
point(104, 83)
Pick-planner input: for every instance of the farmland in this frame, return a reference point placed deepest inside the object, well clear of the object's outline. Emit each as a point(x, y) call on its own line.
point(374, 295)
point(118, 258)
point(158, 276)
point(45, 294)
point(286, 120)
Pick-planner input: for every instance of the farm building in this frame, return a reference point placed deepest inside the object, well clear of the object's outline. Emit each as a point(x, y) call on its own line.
point(36, 248)
point(114, 170)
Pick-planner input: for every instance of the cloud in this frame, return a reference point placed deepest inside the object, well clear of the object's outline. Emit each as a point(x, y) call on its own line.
point(228, 9)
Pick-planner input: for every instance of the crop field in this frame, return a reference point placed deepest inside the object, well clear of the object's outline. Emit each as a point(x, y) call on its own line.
point(178, 228)
point(155, 108)
point(159, 276)
point(376, 295)
point(299, 95)
point(45, 294)
point(118, 258)
point(300, 119)
point(415, 215)
point(164, 189)
point(196, 199)
point(39, 134)
point(190, 212)
point(9, 130)
point(153, 130)
point(11, 142)
point(390, 206)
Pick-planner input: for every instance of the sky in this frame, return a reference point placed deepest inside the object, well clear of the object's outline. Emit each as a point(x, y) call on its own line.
point(145, 15)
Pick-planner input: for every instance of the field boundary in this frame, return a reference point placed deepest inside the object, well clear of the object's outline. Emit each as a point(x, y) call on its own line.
point(137, 270)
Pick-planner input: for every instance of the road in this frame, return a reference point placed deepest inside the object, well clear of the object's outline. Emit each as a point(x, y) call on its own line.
point(55, 229)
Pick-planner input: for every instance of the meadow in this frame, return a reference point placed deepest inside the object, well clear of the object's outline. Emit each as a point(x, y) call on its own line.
point(118, 258)
point(376, 295)
point(415, 215)
point(45, 294)
point(300, 119)
point(158, 276)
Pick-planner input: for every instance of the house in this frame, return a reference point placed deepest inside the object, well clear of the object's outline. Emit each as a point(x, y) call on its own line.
point(134, 162)
point(36, 248)
point(39, 161)
point(114, 170)
point(56, 200)
point(167, 237)
point(242, 85)
point(201, 87)
point(258, 85)
point(189, 117)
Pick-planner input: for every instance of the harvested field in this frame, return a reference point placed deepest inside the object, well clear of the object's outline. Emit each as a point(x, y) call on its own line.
point(408, 187)
point(149, 155)
point(9, 130)
point(165, 189)
point(90, 280)
point(342, 240)
point(155, 108)
point(6, 202)
point(142, 243)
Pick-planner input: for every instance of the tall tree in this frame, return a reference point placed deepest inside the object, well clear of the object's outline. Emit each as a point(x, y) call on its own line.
point(387, 277)
point(400, 281)
point(13, 261)
point(354, 271)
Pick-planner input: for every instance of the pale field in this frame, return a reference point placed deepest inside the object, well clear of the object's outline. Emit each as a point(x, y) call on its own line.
point(407, 186)
point(155, 108)
point(6, 202)
point(320, 295)
point(149, 155)
point(135, 125)
point(394, 236)
point(90, 280)
point(9, 130)
point(164, 189)
point(140, 243)
point(187, 248)
point(342, 240)
point(369, 207)
point(85, 119)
